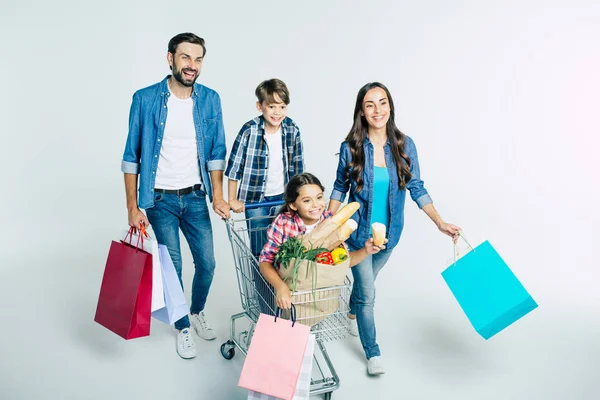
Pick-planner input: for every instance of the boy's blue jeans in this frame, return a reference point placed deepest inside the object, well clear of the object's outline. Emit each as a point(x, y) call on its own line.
point(258, 220)
point(189, 213)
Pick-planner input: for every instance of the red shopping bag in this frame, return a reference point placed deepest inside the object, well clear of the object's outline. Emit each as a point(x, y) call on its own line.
point(126, 293)
point(275, 356)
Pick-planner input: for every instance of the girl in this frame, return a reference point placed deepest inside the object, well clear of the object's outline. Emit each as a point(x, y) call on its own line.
point(304, 209)
point(377, 164)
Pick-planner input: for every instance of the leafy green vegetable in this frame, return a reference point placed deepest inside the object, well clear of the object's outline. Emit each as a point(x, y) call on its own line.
point(312, 254)
point(293, 249)
point(288, 250)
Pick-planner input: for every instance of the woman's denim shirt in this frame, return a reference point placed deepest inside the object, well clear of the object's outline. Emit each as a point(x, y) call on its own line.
point(397, 196)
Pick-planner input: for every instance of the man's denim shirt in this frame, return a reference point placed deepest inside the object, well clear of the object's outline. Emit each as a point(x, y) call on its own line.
point(344, 182)
point(147, 119)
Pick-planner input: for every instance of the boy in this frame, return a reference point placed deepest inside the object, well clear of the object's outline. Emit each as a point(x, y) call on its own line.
point(267, 152)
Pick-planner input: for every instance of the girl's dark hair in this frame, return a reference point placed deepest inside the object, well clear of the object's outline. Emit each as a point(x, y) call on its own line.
point(292, 189)
point(188, 38)
point(357, 135)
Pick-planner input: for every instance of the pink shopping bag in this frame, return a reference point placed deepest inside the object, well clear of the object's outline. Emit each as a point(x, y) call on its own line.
point(275, 356)
point(302, 391)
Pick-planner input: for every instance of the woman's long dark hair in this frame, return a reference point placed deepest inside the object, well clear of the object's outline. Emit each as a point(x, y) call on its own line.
point(292, 189)
point(358, 133)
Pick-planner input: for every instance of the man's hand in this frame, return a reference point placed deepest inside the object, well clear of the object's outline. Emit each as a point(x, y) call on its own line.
point(222, 208)
point(237, 206)
point(136, 218)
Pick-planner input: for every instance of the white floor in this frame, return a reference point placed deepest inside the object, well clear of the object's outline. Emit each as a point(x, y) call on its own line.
point(52, 349)
point(501, 99)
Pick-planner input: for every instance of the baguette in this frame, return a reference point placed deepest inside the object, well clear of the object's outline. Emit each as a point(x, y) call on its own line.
point(378, 233)
point(320, 234)
point(340, 235)
point(345, 213)
point(347, 229)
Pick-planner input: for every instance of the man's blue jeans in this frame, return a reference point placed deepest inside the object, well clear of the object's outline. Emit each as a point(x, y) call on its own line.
point(189, 213)
point(362, 300)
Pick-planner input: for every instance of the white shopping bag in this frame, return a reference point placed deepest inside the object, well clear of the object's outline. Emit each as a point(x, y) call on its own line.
point(175, 304)
point(303, 386)
point(151, 246)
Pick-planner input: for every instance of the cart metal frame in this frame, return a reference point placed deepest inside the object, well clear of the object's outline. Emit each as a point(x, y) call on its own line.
point(257, 295)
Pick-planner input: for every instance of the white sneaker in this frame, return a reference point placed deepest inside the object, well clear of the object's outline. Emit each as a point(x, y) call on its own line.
point(186, 347)
point(202, 327)
point(374, 366)
point(353, 327)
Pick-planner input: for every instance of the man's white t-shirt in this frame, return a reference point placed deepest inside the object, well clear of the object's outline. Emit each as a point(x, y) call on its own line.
point(178, 161)
point(275, 174)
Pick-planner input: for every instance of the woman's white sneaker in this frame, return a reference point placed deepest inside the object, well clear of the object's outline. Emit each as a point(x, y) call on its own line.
point(375, 366)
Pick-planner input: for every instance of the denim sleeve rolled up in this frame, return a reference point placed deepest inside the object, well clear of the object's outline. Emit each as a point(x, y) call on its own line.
point(147, 119)
point(131, 156)
point(345, 185)
point(218, 151)
point(416, 187)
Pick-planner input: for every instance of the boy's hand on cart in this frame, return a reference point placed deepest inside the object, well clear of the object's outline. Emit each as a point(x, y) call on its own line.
point(283, 297)
point(236, 206)
point(370, 247)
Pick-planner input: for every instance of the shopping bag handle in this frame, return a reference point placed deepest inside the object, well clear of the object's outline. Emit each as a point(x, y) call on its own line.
point(456, 250)
point(130, 233)
point(292, 314)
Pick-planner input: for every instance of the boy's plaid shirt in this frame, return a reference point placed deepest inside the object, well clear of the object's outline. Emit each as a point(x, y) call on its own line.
point(249, 158)
point(286, 225)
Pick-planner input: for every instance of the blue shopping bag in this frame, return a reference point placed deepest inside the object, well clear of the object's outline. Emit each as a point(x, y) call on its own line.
point(175, 304)
point(487, 290)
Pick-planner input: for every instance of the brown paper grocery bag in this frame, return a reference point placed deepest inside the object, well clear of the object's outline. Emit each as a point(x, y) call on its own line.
point(314, 307)
point(326, 275)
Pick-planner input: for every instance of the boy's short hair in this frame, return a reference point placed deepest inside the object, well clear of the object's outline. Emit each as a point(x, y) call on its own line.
point(265, 92)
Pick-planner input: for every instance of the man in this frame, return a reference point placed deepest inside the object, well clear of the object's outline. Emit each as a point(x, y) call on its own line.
point(176, 144)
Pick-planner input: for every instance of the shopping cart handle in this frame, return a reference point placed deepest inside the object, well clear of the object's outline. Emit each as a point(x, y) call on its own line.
point(265, 204)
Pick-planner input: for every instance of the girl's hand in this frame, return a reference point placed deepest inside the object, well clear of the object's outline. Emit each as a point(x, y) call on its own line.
point(283, 297)
point(450, 230)
point(370, 248)
point(236, 206)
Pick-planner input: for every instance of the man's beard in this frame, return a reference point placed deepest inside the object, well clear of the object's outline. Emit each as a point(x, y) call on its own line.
point(179, 77)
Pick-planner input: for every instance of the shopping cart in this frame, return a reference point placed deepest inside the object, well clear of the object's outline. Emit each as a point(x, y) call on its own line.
point(325, 309)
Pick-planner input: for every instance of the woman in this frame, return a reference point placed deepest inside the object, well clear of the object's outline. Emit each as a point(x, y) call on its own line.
point(377, 164)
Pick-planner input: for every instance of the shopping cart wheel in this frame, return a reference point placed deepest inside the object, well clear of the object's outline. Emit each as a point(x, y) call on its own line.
point(328, 395)
point(228, 350)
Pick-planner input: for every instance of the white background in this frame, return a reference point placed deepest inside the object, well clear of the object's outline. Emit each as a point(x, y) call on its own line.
point(501, 99)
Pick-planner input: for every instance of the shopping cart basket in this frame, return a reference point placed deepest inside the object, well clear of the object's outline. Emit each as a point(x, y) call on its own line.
point(324, 309)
